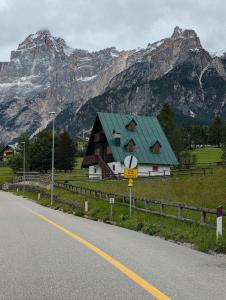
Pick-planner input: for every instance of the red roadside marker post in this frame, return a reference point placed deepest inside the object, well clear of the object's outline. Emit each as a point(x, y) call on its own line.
point(219, 221)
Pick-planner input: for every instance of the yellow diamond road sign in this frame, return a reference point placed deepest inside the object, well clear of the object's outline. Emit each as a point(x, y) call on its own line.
point(130, 173)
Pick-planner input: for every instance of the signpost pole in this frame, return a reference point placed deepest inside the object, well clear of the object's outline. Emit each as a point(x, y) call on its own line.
point(130, 201)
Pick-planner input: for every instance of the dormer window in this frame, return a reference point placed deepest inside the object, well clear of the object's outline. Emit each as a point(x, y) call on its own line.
point(156, 147)
point(130, 145)
point(131, 126)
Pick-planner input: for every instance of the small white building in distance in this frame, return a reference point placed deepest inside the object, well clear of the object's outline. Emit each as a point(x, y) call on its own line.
point(116, 135)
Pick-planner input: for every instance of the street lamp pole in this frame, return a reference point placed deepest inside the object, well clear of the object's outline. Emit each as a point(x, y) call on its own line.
point(52, 177)
point(24, 168)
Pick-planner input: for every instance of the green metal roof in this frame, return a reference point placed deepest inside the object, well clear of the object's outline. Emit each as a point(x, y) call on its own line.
point(147, 132)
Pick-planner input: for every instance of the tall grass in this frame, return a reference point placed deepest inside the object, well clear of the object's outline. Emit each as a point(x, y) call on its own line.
point(200, 238)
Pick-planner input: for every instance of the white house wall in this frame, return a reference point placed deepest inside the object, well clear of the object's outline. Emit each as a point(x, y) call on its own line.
point(95, 172)
point(117, 168)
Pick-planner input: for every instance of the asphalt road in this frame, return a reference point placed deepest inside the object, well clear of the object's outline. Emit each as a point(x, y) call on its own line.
point(45, 254)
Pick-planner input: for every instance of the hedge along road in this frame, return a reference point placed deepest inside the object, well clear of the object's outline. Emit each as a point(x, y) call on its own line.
point(46, 254)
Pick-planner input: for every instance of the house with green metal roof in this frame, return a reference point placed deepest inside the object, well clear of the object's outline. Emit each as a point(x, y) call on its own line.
point(115, 136)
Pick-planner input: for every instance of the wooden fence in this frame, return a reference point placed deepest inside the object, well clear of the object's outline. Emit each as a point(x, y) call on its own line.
point(182, 212)
point(43, 194)
point(189, 214)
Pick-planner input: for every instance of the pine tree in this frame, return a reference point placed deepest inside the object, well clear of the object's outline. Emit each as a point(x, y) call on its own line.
point(65, 154)
point(167, 120)
point(40, 151)
point(216, 132)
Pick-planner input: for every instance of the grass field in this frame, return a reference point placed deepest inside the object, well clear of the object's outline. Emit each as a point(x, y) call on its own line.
point(198, 237)
point(208, 155)
point(6, 174)
point(197, 190)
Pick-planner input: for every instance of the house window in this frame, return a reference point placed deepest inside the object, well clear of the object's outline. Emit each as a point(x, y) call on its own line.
point(132, 125)
point(156, 147)
point(130, 145)
point(113, 167)
point(155, 168)
point(95, 170)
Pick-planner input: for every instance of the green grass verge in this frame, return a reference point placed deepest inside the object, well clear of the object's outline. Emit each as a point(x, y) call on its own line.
point(200, 238)
point(197, 190)
point(208, 155)
point(6, 174)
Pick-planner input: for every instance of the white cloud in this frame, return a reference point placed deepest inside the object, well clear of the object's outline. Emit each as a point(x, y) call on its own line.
point(96, 24)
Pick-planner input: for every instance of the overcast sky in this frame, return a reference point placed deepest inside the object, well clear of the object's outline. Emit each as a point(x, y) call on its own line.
point(97, 24)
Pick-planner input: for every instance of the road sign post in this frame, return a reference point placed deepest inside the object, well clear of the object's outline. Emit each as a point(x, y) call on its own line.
point(130, 172)
point(130, 162)
point(130, 184)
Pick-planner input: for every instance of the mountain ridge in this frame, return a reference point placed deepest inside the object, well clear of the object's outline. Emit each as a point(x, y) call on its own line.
point(44, 74)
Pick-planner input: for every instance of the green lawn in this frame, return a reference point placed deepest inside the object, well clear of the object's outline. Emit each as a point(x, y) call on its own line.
point(208, 155)
point(6, 174)
point(197, 190)
point(77, 174)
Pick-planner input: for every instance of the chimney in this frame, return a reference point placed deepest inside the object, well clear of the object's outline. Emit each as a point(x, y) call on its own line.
point(117, 138)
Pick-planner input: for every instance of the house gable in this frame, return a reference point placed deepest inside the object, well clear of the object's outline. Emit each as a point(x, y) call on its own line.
point(148, 129)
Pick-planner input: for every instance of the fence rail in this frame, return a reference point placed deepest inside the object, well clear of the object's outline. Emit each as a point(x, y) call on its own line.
point(182, 212)
point(146, 205)
point(57, 199)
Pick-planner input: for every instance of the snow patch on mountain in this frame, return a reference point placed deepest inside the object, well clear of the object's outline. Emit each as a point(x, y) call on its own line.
point(84, 79)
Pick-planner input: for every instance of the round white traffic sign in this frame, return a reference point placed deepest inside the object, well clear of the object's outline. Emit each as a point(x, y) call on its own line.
point(130, 162)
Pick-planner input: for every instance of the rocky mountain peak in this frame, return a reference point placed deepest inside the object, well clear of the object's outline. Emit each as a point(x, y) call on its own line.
point(45, 74)
point(179, 33)
point(43, 39)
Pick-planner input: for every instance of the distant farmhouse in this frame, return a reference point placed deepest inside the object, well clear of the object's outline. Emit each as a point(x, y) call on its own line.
point(115, 135)
point(7, 152)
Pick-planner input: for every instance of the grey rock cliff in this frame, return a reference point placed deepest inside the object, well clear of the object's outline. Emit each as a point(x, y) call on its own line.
point(44, 74)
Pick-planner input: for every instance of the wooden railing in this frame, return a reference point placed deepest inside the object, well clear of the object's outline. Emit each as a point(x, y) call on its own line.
point(182, 212)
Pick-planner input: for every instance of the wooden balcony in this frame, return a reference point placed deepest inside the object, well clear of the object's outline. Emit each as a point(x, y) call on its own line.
point(99, 137)
point(90, 161)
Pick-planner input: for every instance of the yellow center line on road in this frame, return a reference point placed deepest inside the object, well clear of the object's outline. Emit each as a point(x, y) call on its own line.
point(129, 273)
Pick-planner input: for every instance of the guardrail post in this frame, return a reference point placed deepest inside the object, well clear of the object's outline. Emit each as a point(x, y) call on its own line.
point(86, 206)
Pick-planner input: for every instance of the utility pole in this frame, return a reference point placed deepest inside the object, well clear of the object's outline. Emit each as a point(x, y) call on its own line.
point(24, 166)
point(52, 176)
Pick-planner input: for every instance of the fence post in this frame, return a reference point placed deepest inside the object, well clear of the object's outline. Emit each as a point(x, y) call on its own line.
point(161, 208)
point(39, 196)
point(180, 212)
point(203, 217)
